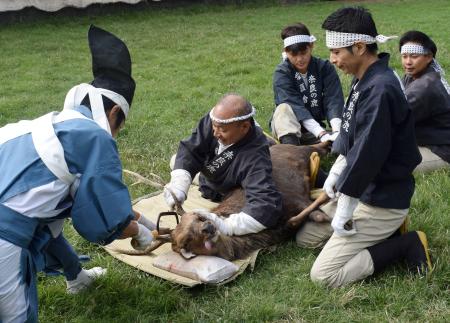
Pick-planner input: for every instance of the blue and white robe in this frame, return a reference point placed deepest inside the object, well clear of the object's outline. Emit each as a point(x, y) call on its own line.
point(34, 198)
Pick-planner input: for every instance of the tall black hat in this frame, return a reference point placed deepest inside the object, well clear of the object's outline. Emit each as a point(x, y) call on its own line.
point(111, 63)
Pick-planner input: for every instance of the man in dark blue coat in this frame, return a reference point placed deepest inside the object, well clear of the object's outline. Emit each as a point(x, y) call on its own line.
point(372, 177)
point(229, 151)
point(307, 92)
point(428, 95)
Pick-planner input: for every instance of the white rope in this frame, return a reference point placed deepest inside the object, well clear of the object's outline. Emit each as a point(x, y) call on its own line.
point(297, 39)
point(336, 39)
point(77, 94)
point(231, 120)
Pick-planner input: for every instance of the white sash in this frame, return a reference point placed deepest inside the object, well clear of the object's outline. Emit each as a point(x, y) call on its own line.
point(45, 141)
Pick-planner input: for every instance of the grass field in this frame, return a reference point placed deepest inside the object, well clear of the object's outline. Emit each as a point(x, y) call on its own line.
point(184, 60)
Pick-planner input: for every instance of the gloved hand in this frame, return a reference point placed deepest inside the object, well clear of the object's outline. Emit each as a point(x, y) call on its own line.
point(329, 137)
point(143, 239)
point(235, 224)
point(325, 137)
point(334, 135)
point(179, 184)
point(335, 172)
point(146, 222)
point(329, 185)
point(345, 207)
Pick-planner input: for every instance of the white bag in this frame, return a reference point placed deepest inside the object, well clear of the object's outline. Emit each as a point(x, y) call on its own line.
point(207, 269)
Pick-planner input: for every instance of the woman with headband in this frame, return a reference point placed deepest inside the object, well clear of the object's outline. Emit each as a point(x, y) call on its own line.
point(307, 92)
point(372, 176)
point(428, 95)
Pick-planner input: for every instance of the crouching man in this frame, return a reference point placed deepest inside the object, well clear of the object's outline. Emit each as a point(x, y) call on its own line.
point(229, 151)
point(65, 165)
point(378, 152)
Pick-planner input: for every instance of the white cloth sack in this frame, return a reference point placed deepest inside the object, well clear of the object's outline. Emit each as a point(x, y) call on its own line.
point(207, 269)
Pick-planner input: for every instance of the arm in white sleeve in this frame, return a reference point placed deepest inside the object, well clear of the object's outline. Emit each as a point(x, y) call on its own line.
point(313, 126)
point(335, 124)
point(333, 176)
point(236, 224)
point(180, 180)
point(339, 165)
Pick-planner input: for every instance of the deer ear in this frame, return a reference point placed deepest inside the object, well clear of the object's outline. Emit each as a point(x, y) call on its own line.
point(202, 214)
point(187, 254)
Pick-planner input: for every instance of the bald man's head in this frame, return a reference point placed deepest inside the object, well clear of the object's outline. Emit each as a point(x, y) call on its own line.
point(232, 106)
point(231, 118)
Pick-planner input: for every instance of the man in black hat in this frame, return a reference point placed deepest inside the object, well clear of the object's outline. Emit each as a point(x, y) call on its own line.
point(66, 165)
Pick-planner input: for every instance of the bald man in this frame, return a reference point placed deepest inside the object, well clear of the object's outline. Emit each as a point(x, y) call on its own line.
point(229, 151)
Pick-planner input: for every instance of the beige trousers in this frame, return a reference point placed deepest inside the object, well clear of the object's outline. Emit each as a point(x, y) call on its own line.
point(430, 161)
point(285, 122)
point(344, 260)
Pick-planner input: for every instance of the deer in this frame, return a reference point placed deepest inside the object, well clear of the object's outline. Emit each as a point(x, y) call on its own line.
point(196, 235)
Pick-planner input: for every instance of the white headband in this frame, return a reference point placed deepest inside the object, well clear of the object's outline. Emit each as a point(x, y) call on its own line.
point(336, 39)
point(413, 48)
point(231, 120)
point(296, 39)
point(77, 94)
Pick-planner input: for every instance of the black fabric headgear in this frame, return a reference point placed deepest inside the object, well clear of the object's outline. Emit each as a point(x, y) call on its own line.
point(111, 63)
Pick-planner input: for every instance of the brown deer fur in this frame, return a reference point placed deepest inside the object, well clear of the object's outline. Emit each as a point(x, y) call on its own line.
point(291, 174)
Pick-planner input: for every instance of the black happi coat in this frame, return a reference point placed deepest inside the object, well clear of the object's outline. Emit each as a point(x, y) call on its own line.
point(321, 99)
point(430, 104)
point(245, 164)
point(377, 138)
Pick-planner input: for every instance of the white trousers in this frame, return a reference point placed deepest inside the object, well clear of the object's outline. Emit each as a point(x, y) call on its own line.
point(13, 303)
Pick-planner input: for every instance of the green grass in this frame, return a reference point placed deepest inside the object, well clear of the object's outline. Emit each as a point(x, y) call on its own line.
point(184, 59)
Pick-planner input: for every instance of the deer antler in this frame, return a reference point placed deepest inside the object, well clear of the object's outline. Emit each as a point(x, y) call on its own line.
point(158, 242)
point(178, 207)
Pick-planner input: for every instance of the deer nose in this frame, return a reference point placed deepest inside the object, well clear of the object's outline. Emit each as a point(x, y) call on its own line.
point(208, 228)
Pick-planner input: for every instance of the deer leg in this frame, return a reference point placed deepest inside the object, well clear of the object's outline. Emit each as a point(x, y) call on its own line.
point(319, 216)
point(295, 221)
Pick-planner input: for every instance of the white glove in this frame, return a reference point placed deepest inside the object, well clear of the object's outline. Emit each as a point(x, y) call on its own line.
point(329, 185)
point(325, 137)
point(235, 224)
point(345, 207)
point(329, 137)
point(334, 135)
point(146, 222)
point(180, 181)
point(143, 239)
point(335, 172)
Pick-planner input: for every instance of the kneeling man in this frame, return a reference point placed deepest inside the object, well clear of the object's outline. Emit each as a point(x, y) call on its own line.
point(378, 153)
point(229, 151)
